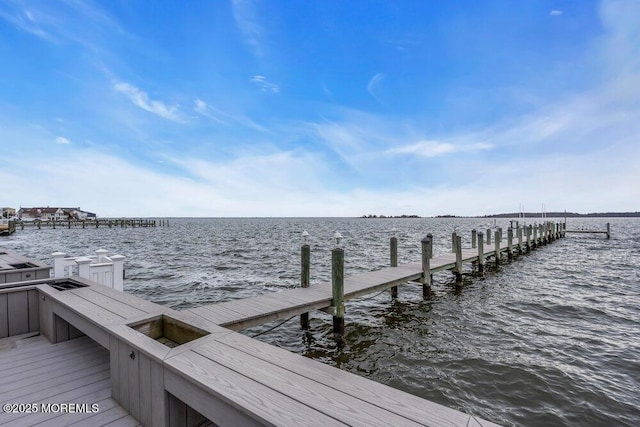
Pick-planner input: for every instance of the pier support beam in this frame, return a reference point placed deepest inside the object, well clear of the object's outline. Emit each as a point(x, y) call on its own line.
point(519, 232)
point(393, 254)
point(305, 274)
point(510, 243)
point(480, 253)
point(337, 289)
point(458, 270)
point(427, 254)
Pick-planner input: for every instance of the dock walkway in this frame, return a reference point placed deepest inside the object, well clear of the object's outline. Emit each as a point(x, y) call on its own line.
point(248, 312)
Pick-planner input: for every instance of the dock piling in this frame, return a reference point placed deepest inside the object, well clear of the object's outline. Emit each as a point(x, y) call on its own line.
point(497, 246)
point(474, 238)
point(488, 236)
point(337, 288)
point(305, 264)
point(510, 243)
point(427, 254)
point(480, 253)
point(608, 231)
point(458, 270)
point(393, 249)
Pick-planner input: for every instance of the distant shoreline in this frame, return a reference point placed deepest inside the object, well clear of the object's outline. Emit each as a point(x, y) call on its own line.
point(526, 215)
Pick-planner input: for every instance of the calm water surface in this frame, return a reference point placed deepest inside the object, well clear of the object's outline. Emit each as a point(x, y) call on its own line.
point(552, 338)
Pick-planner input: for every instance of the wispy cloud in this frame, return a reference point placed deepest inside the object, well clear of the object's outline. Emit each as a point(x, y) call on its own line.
point(246, 17)
point(140, 99)
point(26, 20)
point(62, 140)
point(264, 84)
point(555, 12)
point(436, 148)
point(225, 118)
point(203, 109)
point(374, 85)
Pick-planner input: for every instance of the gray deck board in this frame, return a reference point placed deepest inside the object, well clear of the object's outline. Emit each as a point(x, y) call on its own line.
point(398, 402)
point(315, 395)
point(75, 371)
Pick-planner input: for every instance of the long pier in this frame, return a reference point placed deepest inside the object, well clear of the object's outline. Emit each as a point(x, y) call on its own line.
point(94, 223)
point(331, 296)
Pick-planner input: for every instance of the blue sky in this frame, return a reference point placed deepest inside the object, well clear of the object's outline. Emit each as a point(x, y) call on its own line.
point(320, 108)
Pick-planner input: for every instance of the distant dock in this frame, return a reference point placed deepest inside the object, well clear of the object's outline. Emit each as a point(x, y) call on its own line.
point(606, 232)
point(94, 223)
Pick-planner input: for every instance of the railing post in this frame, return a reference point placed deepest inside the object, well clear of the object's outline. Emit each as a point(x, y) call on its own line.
point(118, 272)
point(393, 255)
point(427, 253)
point(480, 252)
point(305, 274)
point(510, 243)
point(58, 264)
point(458, 270)
point(337, 288)
point(497, 246)
point(84, 268)
point(101, 256)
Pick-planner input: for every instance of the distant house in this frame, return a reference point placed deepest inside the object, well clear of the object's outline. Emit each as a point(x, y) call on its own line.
point(55, 213)
point(7, 213)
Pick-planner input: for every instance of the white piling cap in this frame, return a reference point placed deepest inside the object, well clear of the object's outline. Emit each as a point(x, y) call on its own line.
point(337, 238)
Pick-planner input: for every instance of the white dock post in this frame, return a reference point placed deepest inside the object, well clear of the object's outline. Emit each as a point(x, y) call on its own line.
point(474, 238)
point(497, 246)
point(84, 268)
point(480, 253)
point(58, 264)
point(118, 272)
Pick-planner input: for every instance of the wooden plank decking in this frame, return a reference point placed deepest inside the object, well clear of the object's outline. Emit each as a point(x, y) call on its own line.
point(34, 371)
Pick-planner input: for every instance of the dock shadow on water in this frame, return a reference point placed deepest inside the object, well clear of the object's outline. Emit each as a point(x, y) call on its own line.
point(551, 338)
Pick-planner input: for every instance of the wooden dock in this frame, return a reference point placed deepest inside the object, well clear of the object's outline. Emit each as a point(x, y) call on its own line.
point(94, 223)
point(248, 312)
point(606, 232)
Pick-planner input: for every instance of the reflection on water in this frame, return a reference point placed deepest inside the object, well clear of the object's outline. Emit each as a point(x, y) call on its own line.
point(551, 338)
